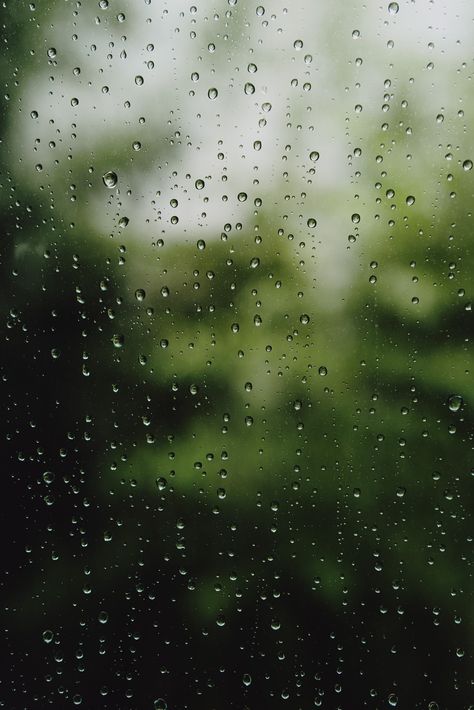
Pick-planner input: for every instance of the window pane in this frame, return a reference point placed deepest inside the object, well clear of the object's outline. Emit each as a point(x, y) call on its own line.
point(237, 369)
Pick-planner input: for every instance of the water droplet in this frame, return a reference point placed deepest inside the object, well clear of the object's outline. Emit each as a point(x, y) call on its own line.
point(164, 343)
point(311, 223)
point(247, 679)
point(323, 371)
point(304, 319)
point(242, 196)
point(118, 341)
point(51, 52)
point(467, 165)
point(267, 106)
point(355, 34)
point(257, 145)
point(355, 218)
point(160, 704)
point(212, 93)
point(235, 327)
point(410, 200)
point(201, 244)
point(161, 483)
point(138, 80)
point(123, 222)
point(110, 179)
point(298, 44)
point(199, 184)
point(392, 700)
point(103, 617)
point(249, 88)
point(314, 156)
point(140, 294)
point(455, 402)
point(393, 8)
point(136, 145)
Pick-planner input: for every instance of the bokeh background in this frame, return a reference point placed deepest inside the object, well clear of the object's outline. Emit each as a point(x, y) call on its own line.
point(236, 371)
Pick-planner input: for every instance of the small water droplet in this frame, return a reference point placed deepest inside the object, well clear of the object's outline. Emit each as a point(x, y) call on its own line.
point(311, 223)
point(138, 80)
point(323, 371)
point(140, 294)
point(212, 93)
point(249, 88)
point(118, 341)
point(160, 704)
point(393, 8)
point(467, 165)
point(199, 184)
point(47, 636)
point(247, 679)
point(410, 200)
point(242, 196)
point(355, 218)
point(51, 52)
point(161, 483)
point(314, 156)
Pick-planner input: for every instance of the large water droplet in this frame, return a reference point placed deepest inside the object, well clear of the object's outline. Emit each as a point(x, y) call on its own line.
point(455, 402)
point(393, 8)
point(110, 179)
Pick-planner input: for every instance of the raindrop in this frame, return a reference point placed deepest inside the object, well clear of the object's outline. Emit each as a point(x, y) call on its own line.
point(355, 218)
point(47, 636)
point(298, 44)
point(199, 184)
point(118, 341)
point(123, 222)
point(160, 704)
point(311, 223)
point(212, 93)
point(138, 80)
point(323, 371)
point(314, 156)
point(247, 679)
point(51, 52)
point(249, 88)
point(455, 402)
point(467, 165)
point(110, 179)
point(393, 8)
point(242, 196)
point(304, 319)
point(161, 483)
point(140, 294)
point(410, 200)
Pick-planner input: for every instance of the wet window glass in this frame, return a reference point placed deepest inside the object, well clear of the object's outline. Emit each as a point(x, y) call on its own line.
point(236, 361)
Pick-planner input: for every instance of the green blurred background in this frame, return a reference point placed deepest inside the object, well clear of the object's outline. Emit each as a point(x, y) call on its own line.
point(236, 368)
